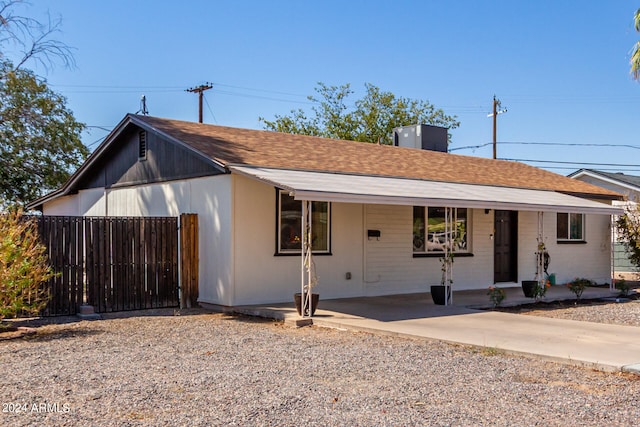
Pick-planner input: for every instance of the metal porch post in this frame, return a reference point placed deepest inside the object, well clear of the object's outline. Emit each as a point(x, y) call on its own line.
point(539, 254)
point(448, 252)
point(306, 269)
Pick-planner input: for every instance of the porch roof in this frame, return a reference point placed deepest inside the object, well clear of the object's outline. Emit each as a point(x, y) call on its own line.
point(351, 188)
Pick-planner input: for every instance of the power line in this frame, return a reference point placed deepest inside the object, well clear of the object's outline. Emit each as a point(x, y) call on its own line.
point(211, 111)
point(261, 90)
point(104, 128)
point(268, 98)
point(566, 144)
point(570, 163)
point(600, 169)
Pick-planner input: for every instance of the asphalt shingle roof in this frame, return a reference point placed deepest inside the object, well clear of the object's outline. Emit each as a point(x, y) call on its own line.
point(229, 146)
point(619, 176)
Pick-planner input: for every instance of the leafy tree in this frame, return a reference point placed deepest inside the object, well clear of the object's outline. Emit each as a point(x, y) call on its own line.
point(24, 267)
point(39, 137)
point(635, 55)
point(372, 119)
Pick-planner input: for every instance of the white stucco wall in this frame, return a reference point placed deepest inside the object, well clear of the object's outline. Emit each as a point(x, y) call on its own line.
point(591, 260)
point(238, 265)
point(261, 276)
point(209, 197)
point(391, 267)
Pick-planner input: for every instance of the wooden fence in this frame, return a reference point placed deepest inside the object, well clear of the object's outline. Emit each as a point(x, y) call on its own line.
point(189, 260)
point(118, 264)
point(64, 240)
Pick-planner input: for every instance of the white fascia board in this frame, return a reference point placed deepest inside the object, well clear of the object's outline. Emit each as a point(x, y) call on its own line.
point(456, 203)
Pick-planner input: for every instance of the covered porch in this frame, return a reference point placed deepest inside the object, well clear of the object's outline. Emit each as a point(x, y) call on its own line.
point(366, 191)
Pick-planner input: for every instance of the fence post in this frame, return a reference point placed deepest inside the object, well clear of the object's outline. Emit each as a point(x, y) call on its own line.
point(188, 260)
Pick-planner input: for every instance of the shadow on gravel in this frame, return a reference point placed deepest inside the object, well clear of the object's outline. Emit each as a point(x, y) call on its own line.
point(35, 322)
point(161, 312)
point(33, 328)
point(244, 318)
point(44, 335)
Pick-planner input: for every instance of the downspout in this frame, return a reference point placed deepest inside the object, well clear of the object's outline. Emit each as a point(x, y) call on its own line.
point(106, 202)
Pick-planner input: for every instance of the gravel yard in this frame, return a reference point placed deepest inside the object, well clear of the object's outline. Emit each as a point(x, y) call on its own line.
point(200, 368)
point(623, 313)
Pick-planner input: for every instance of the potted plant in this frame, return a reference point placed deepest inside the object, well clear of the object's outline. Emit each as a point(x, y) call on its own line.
point(538, 288)
point(297, 298)
point(441, 293)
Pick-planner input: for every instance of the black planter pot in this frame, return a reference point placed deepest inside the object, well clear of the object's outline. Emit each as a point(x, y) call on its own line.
point(297, 298)
point(438, 294)
point(529, 287)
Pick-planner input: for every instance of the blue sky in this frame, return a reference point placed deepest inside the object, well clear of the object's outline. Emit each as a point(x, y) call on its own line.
point(561, 68)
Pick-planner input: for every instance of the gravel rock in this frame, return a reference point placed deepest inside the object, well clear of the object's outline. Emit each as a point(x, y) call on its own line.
point(626, 312)
point(201, 369)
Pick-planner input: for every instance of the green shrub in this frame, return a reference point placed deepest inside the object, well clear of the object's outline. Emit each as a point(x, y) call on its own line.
point(578, 285)
point(496, 295)
point(24, 267)
point(623, 287)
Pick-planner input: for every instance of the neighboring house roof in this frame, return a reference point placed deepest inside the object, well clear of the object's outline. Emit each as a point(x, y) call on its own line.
point(629, 182)
point(227, 146)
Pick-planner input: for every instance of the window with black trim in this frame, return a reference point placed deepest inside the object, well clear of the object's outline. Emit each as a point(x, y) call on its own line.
point(142, 145)
point(570, 227)
point(290, 225)
point(429, 235)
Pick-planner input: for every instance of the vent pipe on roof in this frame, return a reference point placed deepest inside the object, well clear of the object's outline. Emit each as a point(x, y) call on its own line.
point(425, 137)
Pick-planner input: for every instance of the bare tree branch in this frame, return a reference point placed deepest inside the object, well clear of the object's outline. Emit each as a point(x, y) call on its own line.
point(33, 40)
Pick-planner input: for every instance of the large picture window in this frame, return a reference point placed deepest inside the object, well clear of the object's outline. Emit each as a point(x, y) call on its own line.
point(290, 225)
point(570, 227)
point(429, 234)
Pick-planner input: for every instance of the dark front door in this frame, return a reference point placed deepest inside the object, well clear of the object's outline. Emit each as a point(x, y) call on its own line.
point(505, 246)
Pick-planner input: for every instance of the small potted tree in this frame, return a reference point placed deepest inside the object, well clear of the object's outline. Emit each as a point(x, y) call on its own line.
point(441, 293)
point(538, 287)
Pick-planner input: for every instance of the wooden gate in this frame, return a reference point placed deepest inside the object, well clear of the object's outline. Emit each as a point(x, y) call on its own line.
point(132, 263)
point(115, 263)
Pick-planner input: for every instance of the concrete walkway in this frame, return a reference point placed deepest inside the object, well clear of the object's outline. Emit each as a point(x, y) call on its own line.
point(601, 346)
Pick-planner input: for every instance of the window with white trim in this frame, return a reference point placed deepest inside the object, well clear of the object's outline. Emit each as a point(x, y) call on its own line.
point(429, 234)
point(570, 227)
point(290, 225)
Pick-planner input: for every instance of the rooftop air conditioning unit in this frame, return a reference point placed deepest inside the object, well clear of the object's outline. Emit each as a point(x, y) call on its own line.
point(426, 137)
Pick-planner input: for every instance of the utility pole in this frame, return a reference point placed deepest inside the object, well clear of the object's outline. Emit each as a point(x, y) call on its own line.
point(199, 90)
point(496, 105)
